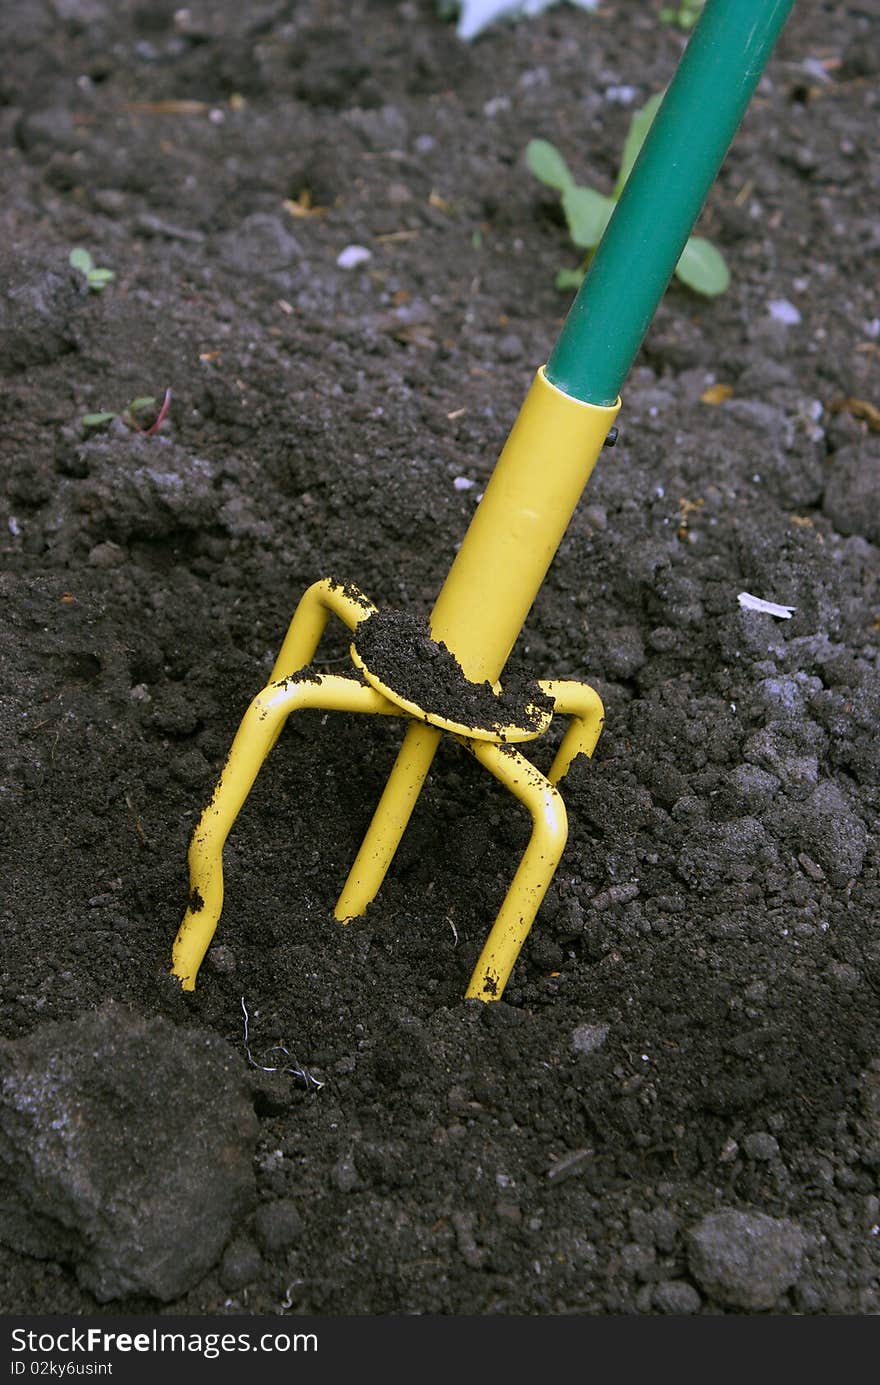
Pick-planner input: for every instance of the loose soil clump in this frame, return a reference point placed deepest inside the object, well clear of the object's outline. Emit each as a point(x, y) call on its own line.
point(399, 650)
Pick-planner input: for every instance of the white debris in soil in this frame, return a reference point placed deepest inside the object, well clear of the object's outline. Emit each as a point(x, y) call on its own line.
point(352, 256)
point(782, 311)
point(767, 608)
point(621, 96)
point(815, 68)
point(589, 1038)
point(463, 483)
point(477, 15)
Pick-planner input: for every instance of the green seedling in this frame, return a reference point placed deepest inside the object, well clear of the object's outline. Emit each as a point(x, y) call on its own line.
point(95, 276)
point(702, 266)
point(130, 414)
point(684, 15)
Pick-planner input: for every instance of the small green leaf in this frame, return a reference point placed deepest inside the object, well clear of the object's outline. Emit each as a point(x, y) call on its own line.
point(96, 420)
point(703, 268)
point(587, 213)
point(79, 258)
point(99, 278)
point(143, 401)
point(570, 278)
point(545, 161)
point(685, 16)
point(636, 136)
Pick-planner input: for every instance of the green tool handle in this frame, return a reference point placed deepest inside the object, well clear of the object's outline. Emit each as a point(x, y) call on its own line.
point(663, 196)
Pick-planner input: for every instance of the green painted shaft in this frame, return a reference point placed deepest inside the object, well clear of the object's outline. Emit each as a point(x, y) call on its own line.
point(663, 196)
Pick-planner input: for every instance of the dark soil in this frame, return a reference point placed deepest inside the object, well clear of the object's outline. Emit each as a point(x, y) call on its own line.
point(676, 1106)
point(397, 648)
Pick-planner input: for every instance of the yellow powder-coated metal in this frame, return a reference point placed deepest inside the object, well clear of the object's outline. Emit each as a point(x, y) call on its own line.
point(584, 705)
point(317, 604)
point(479, 613)
point(518, 526)
point(549, 829)
point(535, 870)
point(389, 821)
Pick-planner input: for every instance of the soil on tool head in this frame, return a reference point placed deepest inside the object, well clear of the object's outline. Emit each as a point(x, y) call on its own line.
point(399, 650)
point(326, 243)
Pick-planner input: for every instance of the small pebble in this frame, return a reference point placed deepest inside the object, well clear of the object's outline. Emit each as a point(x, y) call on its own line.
point(637, 1261)
point(472, 1254)
point(745, 1259)
point(222, 959)
point(278, 1225)
point(676, 1298)
point(106, 555)
point(761, 1146)
point(241, 1264)
point(510, 347)
point(589, 1038)
point(621, 96)
point(782, 311)
point(344, 1175)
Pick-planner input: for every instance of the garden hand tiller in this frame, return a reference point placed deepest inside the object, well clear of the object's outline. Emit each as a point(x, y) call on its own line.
point(566, 419)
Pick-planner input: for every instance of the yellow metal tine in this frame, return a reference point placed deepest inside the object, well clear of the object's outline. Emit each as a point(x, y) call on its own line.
point(389, 821)
point(535, 870)
point(584, 705)
point(259, 729)
point(317, 603)
point(550, 831)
